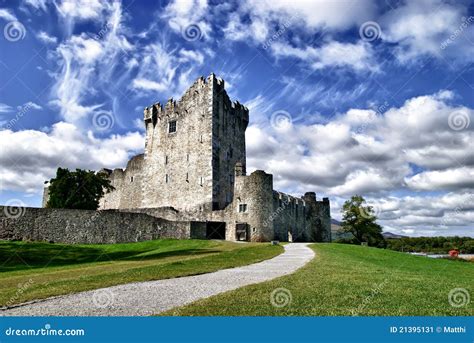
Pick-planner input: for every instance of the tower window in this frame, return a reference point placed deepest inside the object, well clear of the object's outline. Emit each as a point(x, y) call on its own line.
point(166, 178)
point(166, 159)
point(187, 157)
point(201, 181)
point(172, 126)
point(131, 178)
point(242, 208)
point(187, 177)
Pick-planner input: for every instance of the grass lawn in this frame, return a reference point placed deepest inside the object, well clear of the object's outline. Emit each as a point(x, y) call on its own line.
point(347, 280)
point(31, 271)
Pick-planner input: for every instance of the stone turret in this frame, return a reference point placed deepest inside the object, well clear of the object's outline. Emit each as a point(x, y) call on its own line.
point(254, 204)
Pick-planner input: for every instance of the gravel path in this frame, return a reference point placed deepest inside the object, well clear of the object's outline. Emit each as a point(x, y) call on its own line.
point(151, 297)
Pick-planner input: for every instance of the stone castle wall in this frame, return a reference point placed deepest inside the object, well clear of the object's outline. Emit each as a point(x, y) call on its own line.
point(92, 227)
point(289, 218)
point(197, 173)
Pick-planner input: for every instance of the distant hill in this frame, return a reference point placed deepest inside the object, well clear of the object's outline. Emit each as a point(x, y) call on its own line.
point(389, 235)
point(337, 233)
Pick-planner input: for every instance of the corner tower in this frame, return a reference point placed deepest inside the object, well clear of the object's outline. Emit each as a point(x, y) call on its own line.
point(191, 148)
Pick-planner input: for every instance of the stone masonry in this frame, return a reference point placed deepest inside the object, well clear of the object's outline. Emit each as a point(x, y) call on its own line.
point(194, 169)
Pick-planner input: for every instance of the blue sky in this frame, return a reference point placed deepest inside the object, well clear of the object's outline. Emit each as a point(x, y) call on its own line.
point(345, 97)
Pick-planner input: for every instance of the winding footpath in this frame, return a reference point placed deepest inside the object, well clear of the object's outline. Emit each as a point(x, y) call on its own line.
point(152, 297)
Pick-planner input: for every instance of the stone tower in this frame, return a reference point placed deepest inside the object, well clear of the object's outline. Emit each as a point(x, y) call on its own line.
point(191, 149)
point(192, 174)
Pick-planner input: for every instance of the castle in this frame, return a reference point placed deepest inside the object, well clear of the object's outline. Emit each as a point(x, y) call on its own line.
point(194, 169)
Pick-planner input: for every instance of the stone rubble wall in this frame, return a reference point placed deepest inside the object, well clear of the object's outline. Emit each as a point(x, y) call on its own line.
point(88, 227)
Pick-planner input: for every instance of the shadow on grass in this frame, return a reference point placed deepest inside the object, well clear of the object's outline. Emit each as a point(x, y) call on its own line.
point(20, 255)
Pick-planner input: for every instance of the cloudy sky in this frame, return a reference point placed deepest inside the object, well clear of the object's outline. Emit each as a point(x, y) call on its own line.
point(346, 97)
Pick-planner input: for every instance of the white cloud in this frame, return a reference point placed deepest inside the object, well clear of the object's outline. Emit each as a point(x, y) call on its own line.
point(88, 65)
point(437, 180)
point(7, 15)
point(268, 16)
point(30, 157)
point(81, 9)
point(149, 85)
point(29, 105)
point(361, 151)
point(191, 56)
point(4, 108)
point(181, 14)
point(357, 56)
point(37, 4)
point(46, 38)
point(164, 70)
point(421, 27)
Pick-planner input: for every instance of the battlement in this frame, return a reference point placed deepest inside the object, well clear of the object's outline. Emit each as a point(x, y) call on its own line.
point(172, 107)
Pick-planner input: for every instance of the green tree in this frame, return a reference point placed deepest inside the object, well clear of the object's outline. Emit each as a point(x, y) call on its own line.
point(359, 219)
point(80, 189)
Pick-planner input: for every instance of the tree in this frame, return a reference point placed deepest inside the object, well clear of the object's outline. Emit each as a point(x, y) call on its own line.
point(359, 219)
point(80, 189)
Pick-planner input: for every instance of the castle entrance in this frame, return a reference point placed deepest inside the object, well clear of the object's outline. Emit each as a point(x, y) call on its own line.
point(215, 230)
point(242, 232)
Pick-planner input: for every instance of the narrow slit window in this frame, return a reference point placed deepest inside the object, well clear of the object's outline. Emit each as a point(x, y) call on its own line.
point(167, 178)
point(172, 126)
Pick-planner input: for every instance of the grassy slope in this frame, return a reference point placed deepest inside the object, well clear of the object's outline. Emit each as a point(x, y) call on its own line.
point(38, 270)
point(352, 280)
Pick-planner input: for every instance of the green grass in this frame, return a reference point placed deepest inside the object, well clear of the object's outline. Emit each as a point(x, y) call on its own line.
point(31, 271)
point(347, 280)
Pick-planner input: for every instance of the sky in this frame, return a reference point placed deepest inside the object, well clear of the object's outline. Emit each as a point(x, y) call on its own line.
point(363, 97)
